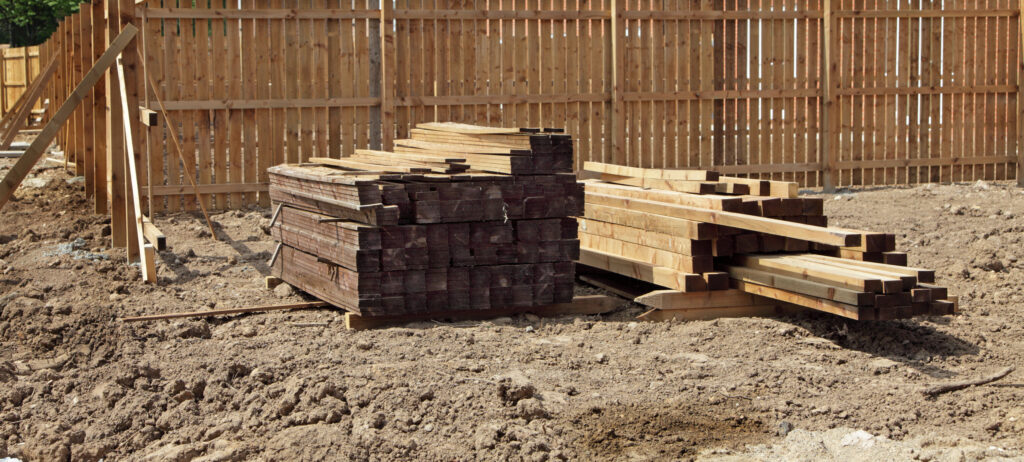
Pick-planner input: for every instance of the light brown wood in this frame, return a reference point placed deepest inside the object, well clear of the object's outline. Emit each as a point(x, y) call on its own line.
point(666, 277)
point(146, 253)
point(830, 236)
point(828, 306)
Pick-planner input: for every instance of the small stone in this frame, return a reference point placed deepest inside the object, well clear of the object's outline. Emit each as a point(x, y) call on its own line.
point(601, 358)
point(365, 346)
point(784, 428)
point(284, 290)
point(529, 329)
point(428, 427)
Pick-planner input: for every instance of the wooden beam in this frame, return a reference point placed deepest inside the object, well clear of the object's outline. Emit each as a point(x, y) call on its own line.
point(645, 237)
point(656, 173)
point(153, 234)
point(801, 286)
point(226, 311)
point(147, 254)
point(782, 228)
point(677, 227)
point(659, 257)
point(822, 273)
point(580, 305)
point(675, 300)
point(148, 117)
point(35, 150)
point(707, 201)
point(643, 271)
point(828, 306)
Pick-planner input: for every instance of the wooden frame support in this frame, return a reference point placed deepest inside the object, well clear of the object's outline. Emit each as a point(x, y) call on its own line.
point(35, 151)
point(147, 253)
point(153, 234)
point(148, 117)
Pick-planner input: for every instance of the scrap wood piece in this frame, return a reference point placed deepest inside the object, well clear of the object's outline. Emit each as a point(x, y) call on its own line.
point(677, 300)
point(153, 234)
point(954, 386)
point(580, 305)
point(226, 311)
point(772, 226)
point(147, 254)
point(31, 156)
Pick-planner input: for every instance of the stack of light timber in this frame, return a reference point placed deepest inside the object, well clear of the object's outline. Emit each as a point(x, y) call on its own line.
point(733, 247)
point(392, 234)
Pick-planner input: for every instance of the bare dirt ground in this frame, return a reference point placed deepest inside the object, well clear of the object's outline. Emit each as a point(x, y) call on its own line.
point(78, 384)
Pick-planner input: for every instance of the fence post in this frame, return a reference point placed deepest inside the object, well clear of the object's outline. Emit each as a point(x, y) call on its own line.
point(830, 119)
point(376, 29)
point(1020, 97)
point(387, 76)
point(618, 129)
point(99, 109)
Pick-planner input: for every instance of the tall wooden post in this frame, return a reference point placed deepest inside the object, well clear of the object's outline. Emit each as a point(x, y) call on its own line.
point(829, 115)
point(115, 142)
point(618, 128)
point(386, 77)
point(99, 113)
point(130, 60)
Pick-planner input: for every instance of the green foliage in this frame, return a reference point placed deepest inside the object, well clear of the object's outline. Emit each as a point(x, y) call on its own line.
point(30, 22)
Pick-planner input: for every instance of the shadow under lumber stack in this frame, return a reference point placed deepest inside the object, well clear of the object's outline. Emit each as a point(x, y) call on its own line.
point(728, 246)
point(391, 234)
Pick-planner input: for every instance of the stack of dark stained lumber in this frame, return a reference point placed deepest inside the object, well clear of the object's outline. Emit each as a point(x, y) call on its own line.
point(747, 247)
point(391, 234)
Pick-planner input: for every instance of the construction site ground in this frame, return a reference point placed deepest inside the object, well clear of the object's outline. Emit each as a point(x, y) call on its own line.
point(75, 382)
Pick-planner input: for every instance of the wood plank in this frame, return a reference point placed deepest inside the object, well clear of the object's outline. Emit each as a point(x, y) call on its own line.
point(643, 271)
point(646, 237)
point(147, 254)
point(655, 256)
point(678, 227)
point(820, 272)
point(831, 236)
point(828, 306)
point(656, 173)
point(801, 286)
point(707, 201)
point(25, 163)
point(675, 300)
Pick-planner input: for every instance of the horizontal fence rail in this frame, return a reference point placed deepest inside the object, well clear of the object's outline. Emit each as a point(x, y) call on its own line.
point(825, 93)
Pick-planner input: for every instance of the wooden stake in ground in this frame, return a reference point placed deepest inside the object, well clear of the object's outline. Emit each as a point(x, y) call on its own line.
point(177, 147)
point(147, 256)
point(954, 386)
point(31, 156)
point(226, 311)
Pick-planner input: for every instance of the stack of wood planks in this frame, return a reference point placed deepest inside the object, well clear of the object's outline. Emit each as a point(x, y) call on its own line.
point(722, 244)
point(389, 234)
point(512, 151)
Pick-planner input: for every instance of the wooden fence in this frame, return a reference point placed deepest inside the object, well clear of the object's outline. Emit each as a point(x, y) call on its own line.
point(18, 66)
point(834, 93)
